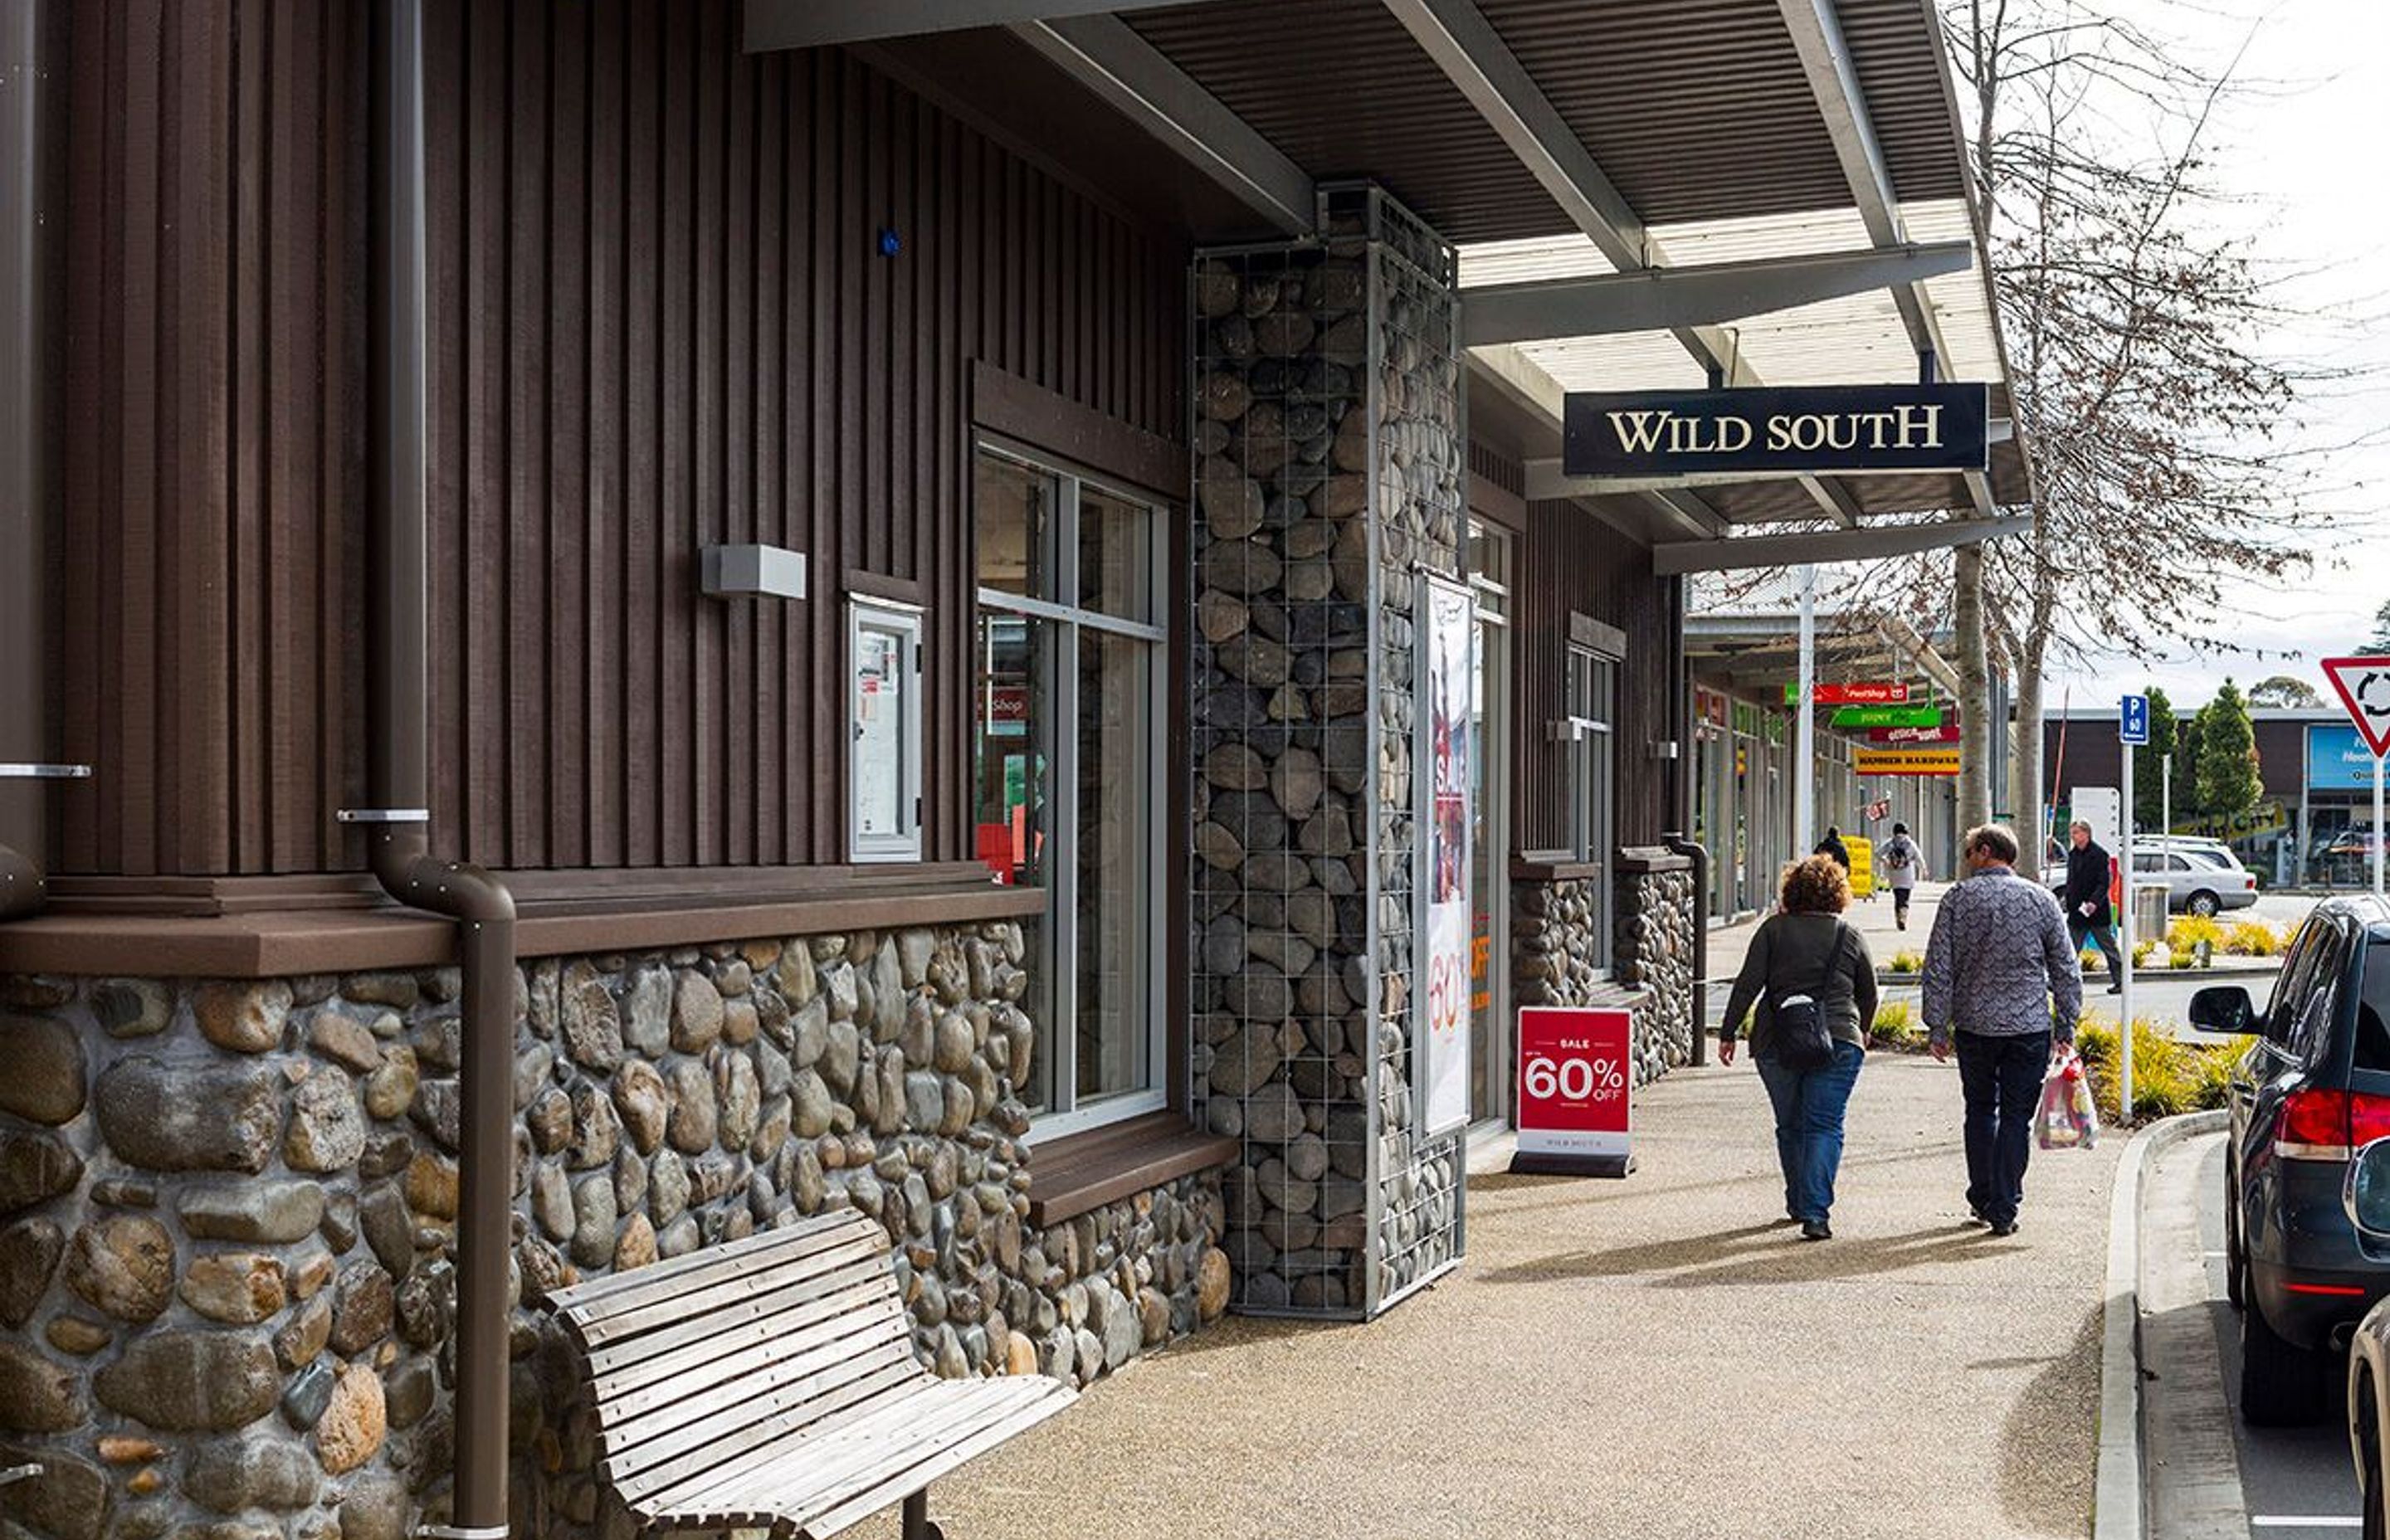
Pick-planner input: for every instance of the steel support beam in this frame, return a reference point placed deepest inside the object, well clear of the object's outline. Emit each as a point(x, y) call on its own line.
point(1833, 500)
point(1669, 298)
point(767, 26)
point(1688, 512)
point(1862, 544)
point(1833, 79)
point(1103, 55)
point(1472, 56)
point(1548, 478)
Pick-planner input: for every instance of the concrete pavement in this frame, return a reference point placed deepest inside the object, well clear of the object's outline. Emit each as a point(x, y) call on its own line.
point(1656, 1357)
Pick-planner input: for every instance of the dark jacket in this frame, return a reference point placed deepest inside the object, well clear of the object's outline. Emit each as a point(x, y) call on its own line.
point(1834, 847)
point(2087, 883)
point(1815, 955)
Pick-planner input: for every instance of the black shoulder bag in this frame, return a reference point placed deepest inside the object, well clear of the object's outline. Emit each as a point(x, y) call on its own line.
point(1797, 1033)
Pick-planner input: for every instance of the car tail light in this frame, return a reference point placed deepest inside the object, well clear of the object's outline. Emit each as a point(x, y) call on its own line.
point(2326, 1125)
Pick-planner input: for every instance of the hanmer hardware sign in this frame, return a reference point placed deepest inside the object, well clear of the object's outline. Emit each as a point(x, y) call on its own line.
point(1834, 427)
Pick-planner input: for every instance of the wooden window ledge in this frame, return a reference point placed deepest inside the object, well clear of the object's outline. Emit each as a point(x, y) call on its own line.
point(1083, 1171)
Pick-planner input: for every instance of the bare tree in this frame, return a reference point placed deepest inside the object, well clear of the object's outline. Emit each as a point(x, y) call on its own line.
point(2135, 334)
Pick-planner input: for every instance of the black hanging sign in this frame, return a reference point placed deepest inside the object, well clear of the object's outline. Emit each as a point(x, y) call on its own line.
point(1825, 428)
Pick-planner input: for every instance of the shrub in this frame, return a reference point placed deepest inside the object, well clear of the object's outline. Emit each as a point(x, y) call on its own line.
point(2088, 960)
point(2253, 938)
point(2169, 1075)
point(1907, 962)
point(2143, 950)
point(1897, 1026)
point(2185, 934)
point(2181, 960)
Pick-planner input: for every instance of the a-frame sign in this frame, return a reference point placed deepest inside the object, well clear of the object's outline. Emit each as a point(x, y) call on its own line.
point(2364, 687)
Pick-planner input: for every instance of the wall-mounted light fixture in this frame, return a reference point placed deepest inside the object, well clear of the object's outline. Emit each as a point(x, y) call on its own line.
point(751, 572)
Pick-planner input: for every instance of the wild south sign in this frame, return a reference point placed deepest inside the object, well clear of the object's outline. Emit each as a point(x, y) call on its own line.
point(1836, 427)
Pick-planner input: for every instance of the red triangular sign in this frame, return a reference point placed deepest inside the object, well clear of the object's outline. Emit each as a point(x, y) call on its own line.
point(2364, 687)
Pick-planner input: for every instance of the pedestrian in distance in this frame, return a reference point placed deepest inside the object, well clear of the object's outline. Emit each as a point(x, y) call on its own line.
point(2001, 985)
point(1812, 982)
point(2089, 913)
point(1904, 868)
point(1831, 845)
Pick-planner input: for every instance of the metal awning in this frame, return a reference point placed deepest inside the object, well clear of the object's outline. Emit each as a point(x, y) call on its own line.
point(1778, 185)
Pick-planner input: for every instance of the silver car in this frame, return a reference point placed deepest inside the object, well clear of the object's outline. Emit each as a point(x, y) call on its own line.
point(2200, 879)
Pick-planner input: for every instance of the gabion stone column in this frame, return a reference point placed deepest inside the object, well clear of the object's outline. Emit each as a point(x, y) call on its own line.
point(1329, 475)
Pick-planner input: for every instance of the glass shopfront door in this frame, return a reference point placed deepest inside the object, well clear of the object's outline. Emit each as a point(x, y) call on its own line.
point(1489, 1039)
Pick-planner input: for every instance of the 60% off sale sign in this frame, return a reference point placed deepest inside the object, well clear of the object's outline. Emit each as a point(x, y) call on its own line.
point(1575, 1090)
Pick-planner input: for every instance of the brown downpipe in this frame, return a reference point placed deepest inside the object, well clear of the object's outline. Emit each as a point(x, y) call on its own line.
point(398, 821)
point(31, 42)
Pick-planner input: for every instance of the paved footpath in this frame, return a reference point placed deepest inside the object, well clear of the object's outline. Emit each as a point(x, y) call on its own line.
point(1655, 1357)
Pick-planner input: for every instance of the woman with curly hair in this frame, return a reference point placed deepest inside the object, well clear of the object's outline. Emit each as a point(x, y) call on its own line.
point(1805, 959)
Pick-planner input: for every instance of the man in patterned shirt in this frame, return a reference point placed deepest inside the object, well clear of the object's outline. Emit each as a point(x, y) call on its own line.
point(2002, 981)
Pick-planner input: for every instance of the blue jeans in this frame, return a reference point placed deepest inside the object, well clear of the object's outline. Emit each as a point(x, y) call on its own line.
point(2000, 1078)
point(1809, 1106)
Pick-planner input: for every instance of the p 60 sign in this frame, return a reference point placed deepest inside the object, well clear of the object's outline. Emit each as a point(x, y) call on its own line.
point(1575, 1090)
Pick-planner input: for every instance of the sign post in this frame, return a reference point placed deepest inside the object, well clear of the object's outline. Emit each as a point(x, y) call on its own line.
point(2132, 731)
point(2364, 687)
point(1576, 1091)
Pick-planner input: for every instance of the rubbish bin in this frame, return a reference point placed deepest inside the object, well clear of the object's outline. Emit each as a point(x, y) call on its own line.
point(2149, 911)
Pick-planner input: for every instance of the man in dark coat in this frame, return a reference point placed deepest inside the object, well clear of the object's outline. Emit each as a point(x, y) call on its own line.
point(2088, 912)
point(1833, 845)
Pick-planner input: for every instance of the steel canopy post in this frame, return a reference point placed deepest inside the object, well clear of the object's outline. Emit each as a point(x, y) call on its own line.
point(2125, 948)
point(2378, 839)
point(1804, 725)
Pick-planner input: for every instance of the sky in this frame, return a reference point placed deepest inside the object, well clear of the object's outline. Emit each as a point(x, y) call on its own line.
point(2303, 158)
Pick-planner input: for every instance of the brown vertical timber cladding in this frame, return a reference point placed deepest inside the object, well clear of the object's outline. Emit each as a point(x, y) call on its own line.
point(1573, 562)
point(659, 319)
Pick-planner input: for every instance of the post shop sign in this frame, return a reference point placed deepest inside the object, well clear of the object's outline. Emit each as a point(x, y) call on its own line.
point(1576, 1091)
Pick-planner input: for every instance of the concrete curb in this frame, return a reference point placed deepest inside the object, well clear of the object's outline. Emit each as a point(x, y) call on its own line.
point(2117, 1505)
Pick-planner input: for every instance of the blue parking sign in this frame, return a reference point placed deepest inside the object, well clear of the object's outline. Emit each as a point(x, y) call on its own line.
point(2133, 719)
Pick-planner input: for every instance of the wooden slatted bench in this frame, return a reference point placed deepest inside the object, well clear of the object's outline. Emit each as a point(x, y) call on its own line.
point(772, 1383)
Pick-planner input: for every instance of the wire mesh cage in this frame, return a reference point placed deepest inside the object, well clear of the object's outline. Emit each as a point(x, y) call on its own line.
point(1304, 830)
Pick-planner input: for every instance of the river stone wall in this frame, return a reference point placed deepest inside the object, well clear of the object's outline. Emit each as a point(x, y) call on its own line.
point(1555, 925)
point(1652, 949)
point(1327, 445)
point(228, 1212)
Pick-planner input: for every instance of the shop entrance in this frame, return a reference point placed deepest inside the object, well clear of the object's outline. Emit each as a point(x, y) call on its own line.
point(1490, 1027)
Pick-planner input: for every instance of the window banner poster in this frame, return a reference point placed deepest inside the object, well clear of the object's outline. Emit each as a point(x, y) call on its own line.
point(1446, 641)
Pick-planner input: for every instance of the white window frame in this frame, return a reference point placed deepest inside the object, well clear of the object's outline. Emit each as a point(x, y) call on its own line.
point(868, 615)
point(1593, 779)
point(1070, 621)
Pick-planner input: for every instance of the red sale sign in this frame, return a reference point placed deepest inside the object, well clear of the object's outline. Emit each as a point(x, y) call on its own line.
point(1576, 1089)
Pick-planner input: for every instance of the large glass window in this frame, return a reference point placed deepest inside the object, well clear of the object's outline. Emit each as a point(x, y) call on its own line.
point(1069, 748)
point(1592, 686)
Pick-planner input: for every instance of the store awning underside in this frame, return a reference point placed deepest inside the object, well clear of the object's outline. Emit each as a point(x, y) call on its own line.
point(1803, 157)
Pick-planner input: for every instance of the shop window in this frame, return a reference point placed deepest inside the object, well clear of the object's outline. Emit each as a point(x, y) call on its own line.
point(1067, 783)
point(884, 731)
point(1592, 697)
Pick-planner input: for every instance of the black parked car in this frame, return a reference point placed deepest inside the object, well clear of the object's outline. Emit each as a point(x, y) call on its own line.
point(2315, 1087)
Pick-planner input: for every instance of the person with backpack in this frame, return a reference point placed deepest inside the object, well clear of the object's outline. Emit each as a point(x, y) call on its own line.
point(1810, 976)
point(1904, 868)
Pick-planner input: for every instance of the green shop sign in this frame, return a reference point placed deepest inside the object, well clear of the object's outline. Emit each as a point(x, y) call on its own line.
point(1887, 716)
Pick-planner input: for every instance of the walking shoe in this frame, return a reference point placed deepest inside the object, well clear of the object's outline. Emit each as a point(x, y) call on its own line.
point(1818, 1229)
point(2115, 989)
point(2005, 1228)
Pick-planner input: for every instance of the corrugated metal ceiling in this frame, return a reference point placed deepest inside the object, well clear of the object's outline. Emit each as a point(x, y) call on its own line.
point(1697, 109)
